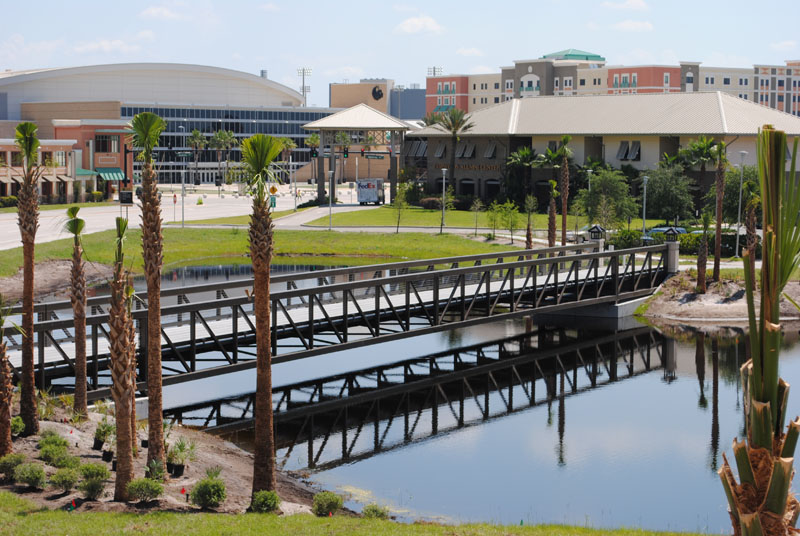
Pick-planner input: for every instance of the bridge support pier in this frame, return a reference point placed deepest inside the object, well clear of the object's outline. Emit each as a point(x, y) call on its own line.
point(672, 258)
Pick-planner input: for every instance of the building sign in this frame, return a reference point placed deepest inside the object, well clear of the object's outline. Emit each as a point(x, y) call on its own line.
point(126, 197)
point(472, 167)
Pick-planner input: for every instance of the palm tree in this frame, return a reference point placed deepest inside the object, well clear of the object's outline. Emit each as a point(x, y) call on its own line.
point(74, 226)
point(702, 255)
point(288, 146)
point(369, 143)
point(530, 208)
point(6, 387)
point(751, 206)
point(258, 153)
point(312, 142)
point(122, 339)
point(197, 141)
point(431, 119)
point(522, 158)
point(762, 502)
point(147, 128)
point(217, 143)
point(719, 156)
point(455, 122)
point(699, 153)
point(551, 215)
point(564, 153)
point(28, 217)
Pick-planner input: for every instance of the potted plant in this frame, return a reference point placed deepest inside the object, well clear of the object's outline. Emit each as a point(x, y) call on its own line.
point(143, 427)
point(170, 458)
point(102, 433)
point(111, 440)
point(185, 451)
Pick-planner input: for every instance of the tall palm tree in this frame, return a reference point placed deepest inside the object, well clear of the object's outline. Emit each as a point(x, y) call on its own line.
point(6, 387)
point(77, 296)
point(197, 141)
point(719, 156)
point(762, 502)
point(702, 255)
point(258, 153)
point(122, 341)
point(431, 119)
point(217, 143)
point(699, 153)
point(368, 145)
point(564, 153)
point(530, 207)
point(147, 127)
point(524, 158)
point(312, 142)
point(288, 146)
point(551, 215)
point(455, 122)
point(28, 217)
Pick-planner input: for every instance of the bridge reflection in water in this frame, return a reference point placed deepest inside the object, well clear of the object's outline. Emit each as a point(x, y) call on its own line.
point(340, 419)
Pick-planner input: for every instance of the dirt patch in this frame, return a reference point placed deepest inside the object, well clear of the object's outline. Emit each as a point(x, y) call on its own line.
point(237, 473)
point(52, 279)
point(725, 301)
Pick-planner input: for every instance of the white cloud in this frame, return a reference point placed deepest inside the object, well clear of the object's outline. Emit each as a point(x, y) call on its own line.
point(483, 69)
point(146, 35)
point(269, 7)
point(633, 26)
point(636, 5)
point(420, 24)
point(783, 46)
point(16, 53)
point(105, 46)
point(470, 52)
point(160, 12)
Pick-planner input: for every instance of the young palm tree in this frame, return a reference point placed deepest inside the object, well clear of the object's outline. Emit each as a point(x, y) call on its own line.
point(523, 158)
point(565, 153)
point(121, 337)
point(530, 208)
point(762, 502)
point(77, 296)
point(288, 146)
point(719, 156)
point(147, 127)
point(197, 141)
point(551, 215)
point(702, 255)
point(217, 143)
point(28, 217)
point(369, 143)
point(258, 152)
point(6, 387)
point(431, 119)
point(455, 122)
point(699, 153)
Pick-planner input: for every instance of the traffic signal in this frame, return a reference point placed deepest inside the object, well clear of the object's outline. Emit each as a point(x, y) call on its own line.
point(314, 152)
point(362, 152)
point(346, 152)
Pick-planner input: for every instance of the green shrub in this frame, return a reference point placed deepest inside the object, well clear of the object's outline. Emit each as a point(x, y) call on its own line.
point(9, 462)
point(265, 502)
point(51, 452)
point(626, 239)
point(66, 460)
point(96, 197)
point(325, 503)
point(208, 493)
point(431, 203)
point(104, 430)
point(689, 244)
point(92, 488)
point(373, 511)
point(65, 479)
point(199, 200)
point(17, 426)
point(657, 239)
point(31, 474)
point(94, 471)
point(155, 471)
point(50, 438)
point(8, 201)
point(145, 489)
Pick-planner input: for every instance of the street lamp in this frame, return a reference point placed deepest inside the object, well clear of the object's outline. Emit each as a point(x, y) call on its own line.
point(739, 212)
point(644, 203)
point(183, 184)
point(444, 188)
point(330, 200)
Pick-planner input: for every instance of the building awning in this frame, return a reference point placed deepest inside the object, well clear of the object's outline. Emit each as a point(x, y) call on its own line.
point(6, 180)
point(111, 173)
point(85, 173)
point(65, 178)
point(114, 130)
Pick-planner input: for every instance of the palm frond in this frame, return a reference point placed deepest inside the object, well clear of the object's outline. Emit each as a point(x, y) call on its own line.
point(147, 128)
point(26, 139)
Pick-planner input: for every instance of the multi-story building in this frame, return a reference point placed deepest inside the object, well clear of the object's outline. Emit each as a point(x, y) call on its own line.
point(484, 90)
point(445, 92)
point(382, 95)
point(643, 79)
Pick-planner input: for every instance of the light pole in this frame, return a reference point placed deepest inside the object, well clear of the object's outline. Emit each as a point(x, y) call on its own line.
point(444, 188)
point(330, 200)
point(589, 220)
point(644, 204)
point(739, 212)
point(304, 89)
point(183, 184)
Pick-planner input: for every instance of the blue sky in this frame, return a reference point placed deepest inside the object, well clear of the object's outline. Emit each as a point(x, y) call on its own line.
point(400, 40)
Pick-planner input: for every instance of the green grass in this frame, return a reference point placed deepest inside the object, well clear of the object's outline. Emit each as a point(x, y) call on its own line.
point(238, 220)
point(21, 518)
point(13, 210)
point(183, 247)
point(419, 217)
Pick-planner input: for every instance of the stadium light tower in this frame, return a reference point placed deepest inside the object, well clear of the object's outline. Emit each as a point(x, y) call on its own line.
point(304, 89)
point(434, 71)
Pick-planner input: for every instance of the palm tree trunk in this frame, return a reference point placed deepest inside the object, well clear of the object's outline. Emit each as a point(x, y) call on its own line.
point(261, 253)
point(702, 261)
point(752, 237)
point(6, 391)
point(78, 299)
point(132, 368)
point(718, 233)
point(152, 253)
point(551, 223)
point(28, 217)
point(564, 199)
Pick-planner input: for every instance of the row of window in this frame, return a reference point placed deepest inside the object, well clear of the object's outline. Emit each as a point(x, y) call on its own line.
point(224, 113)
point(486, 86)
point(485, 100)
point(46, 158)
point(629, 151)
point(447, 87)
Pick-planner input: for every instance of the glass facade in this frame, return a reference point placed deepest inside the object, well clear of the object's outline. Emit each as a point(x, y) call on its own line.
point(280, 122)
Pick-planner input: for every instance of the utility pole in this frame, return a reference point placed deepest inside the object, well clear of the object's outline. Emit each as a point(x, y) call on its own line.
point(304, 89)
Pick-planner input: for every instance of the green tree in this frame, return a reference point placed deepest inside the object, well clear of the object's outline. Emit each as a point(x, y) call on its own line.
point(565, 153)
point(759, 503)
point(730, 200)
point(702, 254)
point(74, 226)
point(400, 202)
point(609, 202)
point(531, 204)
point(431, 119)
point(222, 142)
point(698, 154)
point(197, 141)
point(455, 122)
point(668, 194)
point(147, 128)
point(551, 214)
point(521, 163)
point(476, 207)
point(493, 216)
point(312, 142)
point(510, 217)
point(721, 159)
point(258, 153)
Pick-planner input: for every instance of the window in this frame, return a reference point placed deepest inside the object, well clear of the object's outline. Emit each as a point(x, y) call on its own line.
point(438, 101)
point(634, 80)
point(616, 80)
point(497, 85)
point(509, 84)
point(582, 82)
point(16, 159)
point(746, 81)
point(447, 101)
point(60, 158)
point(496, 100)
point(473, 87)
point(446, 87)
point(780, 98)
point(622, 152)
point(689, 78)
point(453, 88)
point(780, 84)
point(568, 81)
point(469, 152)
point(555, 81)
point(490, 150)
point(440, 150)
point(624, 80)
point(439, 87)
point(726, 81)
point(635, 152)
point(104, 143)
point(46, 159)
point(460, 150)
point(473, 100)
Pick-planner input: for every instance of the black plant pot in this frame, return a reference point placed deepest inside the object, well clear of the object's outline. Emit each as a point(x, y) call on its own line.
point(114, 465)
point(108, 455)
point(144, 443)
point(177, 470)
point(170, 467)
point(98, 444)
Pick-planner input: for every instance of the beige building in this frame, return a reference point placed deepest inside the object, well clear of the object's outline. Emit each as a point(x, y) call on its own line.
point(733, 81)
point(484, 91)
point(372, 92)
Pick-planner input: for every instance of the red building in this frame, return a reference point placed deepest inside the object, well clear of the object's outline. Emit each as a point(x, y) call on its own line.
point(644, 79)
point(445, 92)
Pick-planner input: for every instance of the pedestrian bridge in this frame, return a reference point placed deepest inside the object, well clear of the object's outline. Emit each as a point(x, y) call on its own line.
point(207, 329)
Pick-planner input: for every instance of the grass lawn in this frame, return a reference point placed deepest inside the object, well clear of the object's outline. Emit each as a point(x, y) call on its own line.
point(419, 217)
point(13, 210)
point(228, 246)
point(22, 518)
point(238, 220)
